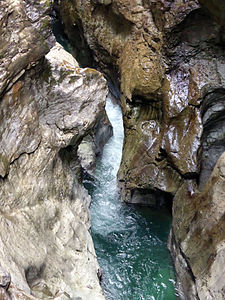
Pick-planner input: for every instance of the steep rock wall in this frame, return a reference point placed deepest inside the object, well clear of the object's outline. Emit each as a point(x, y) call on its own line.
point(197, 240)
point(169, 58)
point(216, 8)
point(162, 53)
point(47, 106)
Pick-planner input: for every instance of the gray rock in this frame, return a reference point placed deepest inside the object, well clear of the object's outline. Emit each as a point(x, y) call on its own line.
point(44, 218)
point(4, 295)
point(25, 37)
point(86, 154)
point(5, 279)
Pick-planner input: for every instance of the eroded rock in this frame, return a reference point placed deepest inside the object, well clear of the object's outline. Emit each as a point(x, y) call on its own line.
point(44, 207)
point(25, 37)
point(5, 279)
point(198, 233)
point(216, 8)
point(169, 57)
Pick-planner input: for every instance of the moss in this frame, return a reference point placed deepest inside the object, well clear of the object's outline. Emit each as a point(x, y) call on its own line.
point(2, 54)
point(66, 73)
point(45, 23)
point(63, 74)
point(47, 74)
point(72, 79)
point(48, 3)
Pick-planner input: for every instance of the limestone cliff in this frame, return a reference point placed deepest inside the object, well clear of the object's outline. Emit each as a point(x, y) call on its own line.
point(47, 105)
point(197, 240)
point(170, 63)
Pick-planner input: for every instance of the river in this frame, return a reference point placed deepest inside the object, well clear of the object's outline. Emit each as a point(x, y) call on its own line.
point(130, 242)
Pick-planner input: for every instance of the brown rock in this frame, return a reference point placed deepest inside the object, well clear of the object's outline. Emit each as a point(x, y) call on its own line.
point(44, 220)
point(181, 141)
point(169, 57)
point(216, 8)
point(198, 230)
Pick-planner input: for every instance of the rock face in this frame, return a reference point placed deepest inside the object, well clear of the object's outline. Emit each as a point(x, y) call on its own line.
point(169, 58)
point(198, 236)
point(216, 8)
point(25, 37)
point(47, 106)
point(45, 242)
point(92, 145)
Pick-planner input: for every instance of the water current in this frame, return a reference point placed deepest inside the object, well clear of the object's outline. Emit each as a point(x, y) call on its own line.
point(130, 242)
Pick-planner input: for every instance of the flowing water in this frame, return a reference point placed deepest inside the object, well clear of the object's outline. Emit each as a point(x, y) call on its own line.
point(130, 242)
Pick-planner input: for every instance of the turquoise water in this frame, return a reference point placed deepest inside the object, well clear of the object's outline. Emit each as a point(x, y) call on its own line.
point(130, 242)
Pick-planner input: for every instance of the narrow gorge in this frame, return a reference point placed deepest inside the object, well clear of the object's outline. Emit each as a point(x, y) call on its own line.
point(130, 242)
point(163, 64)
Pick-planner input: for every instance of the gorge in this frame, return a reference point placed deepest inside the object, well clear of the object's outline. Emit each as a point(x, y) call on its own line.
point(130, 242)
point(164, 62)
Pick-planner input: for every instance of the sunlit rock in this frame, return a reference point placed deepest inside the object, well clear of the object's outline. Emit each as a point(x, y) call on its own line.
point(45, 242)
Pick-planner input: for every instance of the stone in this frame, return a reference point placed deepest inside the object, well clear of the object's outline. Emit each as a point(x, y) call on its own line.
point(213, 144)
point(25, 37)
point(162, 81)
point(92, 145)
point(168, 57)
point(86, 154)
point(198, 233)
point(3, 294)
point(5, 279)
point(182, 139)
point(216, 8)
point(44, 207)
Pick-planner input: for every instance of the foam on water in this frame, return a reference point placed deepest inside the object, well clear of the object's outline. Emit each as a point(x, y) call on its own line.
point(130, 242)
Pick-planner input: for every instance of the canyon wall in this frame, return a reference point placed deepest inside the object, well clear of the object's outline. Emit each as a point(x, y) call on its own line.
point(48, 104)
point(169, 59)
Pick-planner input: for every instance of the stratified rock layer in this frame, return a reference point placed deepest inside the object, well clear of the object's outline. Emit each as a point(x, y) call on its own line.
point(169, 57)
point(45, 242)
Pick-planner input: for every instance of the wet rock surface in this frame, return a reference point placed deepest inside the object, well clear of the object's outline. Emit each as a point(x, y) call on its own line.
point(198, 234)
point(169, 57)
point(213, 137)
point(25, 37)
point(92, 145)
point(45, 242)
